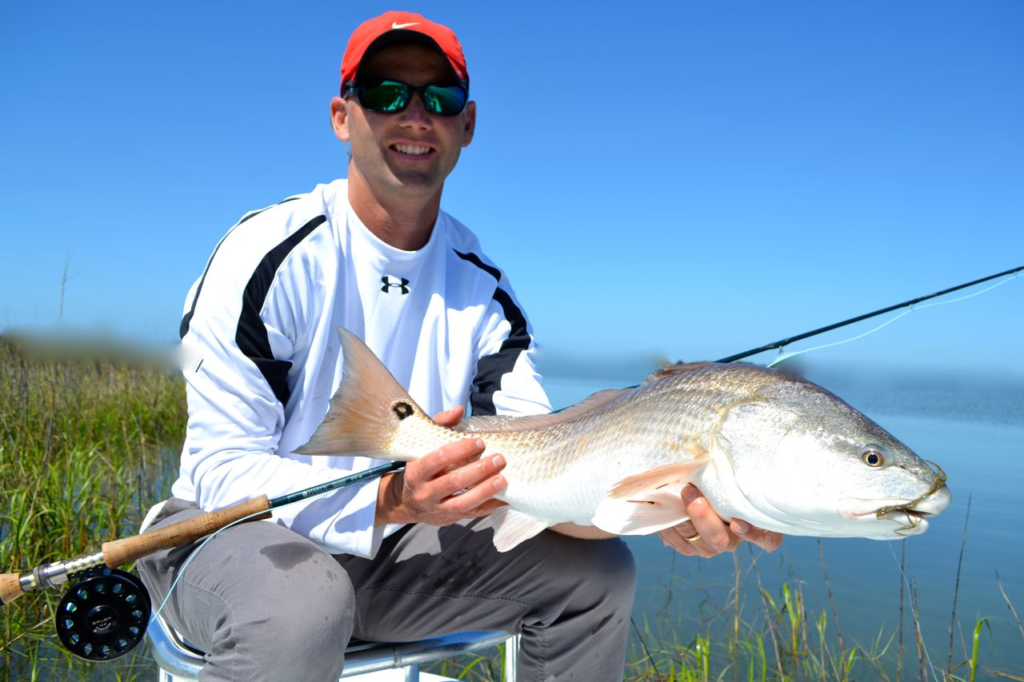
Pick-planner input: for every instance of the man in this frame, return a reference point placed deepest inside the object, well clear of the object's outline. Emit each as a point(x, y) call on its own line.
point(409, 555)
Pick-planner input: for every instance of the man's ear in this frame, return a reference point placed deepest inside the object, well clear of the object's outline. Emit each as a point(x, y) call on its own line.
point(339, 118)
point(467, 133)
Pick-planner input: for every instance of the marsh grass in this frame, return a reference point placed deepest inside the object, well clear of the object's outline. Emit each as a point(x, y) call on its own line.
point(769, 636)
point(79, 465)
point(761, 634)
point(756, 634)
point(88, 444)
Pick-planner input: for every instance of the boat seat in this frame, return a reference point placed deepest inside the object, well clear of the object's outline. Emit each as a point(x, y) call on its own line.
point(178, 661)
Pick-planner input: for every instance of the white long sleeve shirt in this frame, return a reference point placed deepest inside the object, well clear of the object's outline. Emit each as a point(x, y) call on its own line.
point(263, 358)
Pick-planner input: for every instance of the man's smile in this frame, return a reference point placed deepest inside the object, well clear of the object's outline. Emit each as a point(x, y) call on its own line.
point(407, 149)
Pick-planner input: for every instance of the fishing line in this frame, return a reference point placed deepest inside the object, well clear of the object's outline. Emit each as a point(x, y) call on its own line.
point(786, 356)
point(192, 556)
point(821, 330)
point(277, 503)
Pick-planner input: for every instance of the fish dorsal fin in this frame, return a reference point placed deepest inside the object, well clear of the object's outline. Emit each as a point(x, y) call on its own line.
point(512, 424)
point(647, 502)
point(512, 527)
point(365, 410)
point(674, 370)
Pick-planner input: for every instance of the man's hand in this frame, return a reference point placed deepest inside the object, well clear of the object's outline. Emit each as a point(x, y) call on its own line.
point(426, 491)
point(712, 535)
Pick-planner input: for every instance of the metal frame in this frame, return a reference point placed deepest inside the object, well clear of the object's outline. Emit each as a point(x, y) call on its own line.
point(178, 661)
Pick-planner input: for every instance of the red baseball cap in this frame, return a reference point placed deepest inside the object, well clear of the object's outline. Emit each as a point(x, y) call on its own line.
point(392, 28)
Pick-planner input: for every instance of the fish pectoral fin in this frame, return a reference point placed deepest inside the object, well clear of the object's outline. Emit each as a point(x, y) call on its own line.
point(647, 502)
point(512, 527)
point(677, 474)
point(641, 515)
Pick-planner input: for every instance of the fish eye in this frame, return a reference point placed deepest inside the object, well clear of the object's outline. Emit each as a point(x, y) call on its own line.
point(873, 458)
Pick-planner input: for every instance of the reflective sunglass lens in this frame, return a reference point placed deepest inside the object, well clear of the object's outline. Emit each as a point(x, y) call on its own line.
point(444, 100)
point(386, 97)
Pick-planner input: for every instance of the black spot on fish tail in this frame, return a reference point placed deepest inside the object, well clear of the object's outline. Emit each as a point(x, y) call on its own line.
point(402, 410)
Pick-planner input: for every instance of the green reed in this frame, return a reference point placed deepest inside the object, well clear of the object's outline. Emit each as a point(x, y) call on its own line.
point(79, 465)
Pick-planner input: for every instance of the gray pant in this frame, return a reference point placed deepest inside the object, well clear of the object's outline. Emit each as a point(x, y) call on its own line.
point(267, 604)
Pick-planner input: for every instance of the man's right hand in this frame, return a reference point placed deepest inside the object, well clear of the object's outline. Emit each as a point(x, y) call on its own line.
point(426, 492)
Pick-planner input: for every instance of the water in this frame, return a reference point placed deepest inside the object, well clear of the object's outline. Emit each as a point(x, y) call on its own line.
point(975, 430)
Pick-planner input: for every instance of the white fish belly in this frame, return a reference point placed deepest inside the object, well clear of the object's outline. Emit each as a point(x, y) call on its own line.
point(574, 493)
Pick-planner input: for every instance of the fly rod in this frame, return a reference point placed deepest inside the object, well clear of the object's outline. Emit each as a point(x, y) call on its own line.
point(906, 304)
point(120, 552)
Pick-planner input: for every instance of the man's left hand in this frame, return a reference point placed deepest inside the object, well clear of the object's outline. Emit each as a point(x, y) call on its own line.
point(706, 535)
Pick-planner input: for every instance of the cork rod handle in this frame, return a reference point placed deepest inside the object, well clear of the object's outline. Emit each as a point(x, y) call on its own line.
point(120, 552)
point(10, 588)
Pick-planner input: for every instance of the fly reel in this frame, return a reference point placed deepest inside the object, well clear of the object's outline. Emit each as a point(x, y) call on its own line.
point(103, 615)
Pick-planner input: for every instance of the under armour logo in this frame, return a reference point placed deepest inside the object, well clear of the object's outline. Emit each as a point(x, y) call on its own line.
point(394, 282)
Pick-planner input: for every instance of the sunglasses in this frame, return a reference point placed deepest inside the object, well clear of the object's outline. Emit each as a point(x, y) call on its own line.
point(390, 97)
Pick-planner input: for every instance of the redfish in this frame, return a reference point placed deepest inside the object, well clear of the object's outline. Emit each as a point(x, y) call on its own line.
point(779, 452)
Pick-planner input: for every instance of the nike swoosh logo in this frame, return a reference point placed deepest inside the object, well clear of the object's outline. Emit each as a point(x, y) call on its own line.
point(395, 24)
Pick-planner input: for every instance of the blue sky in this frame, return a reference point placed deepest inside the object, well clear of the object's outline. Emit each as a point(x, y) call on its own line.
point(684, 179)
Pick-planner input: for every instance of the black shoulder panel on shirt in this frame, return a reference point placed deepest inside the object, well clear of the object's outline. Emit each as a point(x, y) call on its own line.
point(251, 335)
point(475, 260)
point(491, 368)
point(187, 319)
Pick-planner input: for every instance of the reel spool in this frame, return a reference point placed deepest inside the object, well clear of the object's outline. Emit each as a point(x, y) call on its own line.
point(103, 615)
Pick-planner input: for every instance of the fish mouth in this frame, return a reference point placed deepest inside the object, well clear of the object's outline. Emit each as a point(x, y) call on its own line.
point(865, 510)
point(911, 514)
point(899, 521)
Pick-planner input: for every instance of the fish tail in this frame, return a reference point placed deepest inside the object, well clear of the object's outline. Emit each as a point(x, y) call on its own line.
point(369, 412)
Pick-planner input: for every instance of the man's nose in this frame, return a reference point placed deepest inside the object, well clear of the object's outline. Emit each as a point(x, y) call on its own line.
point(416, 114)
